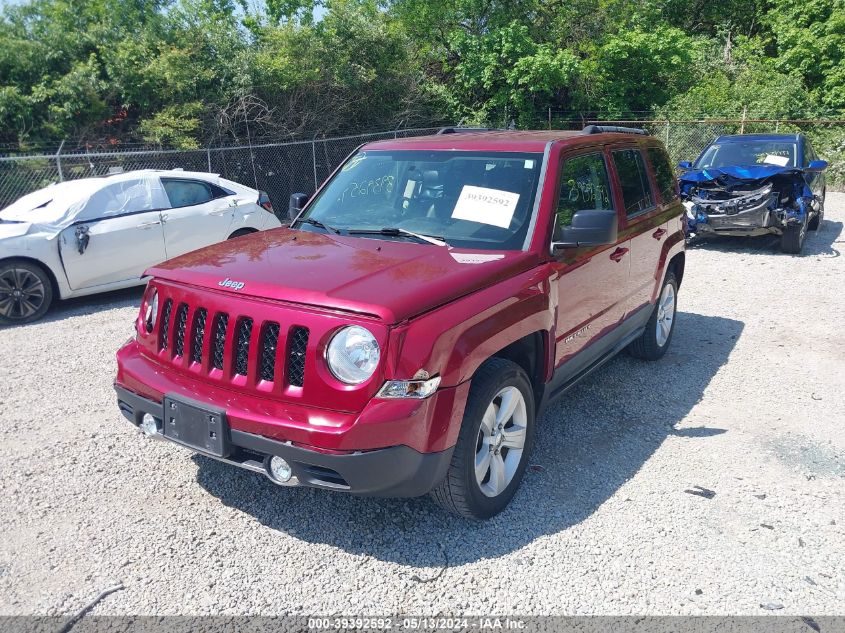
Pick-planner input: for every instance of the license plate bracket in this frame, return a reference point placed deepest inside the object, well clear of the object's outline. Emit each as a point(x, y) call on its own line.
point(196, 425)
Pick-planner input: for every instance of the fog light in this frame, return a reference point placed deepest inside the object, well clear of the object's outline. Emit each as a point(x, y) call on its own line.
point(149, 426)
point(280, 469)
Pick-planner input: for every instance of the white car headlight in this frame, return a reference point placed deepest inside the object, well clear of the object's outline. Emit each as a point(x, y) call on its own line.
point(353, 355)
point(151, 312)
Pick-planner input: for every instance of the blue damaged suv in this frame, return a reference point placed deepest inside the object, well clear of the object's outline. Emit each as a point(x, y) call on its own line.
point(755, 184)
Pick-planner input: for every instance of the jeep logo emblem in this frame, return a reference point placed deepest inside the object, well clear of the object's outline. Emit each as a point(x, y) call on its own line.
point(228, 283)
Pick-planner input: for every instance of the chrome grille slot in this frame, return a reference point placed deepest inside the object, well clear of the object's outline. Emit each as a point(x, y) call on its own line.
point(218, 340)
point(297, 344)
point(243, 333)
point(164, 330)
point(198, 333)
point(179, 334)
point(269, 344)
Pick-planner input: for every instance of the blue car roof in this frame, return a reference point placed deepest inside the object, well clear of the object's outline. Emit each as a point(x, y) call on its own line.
point(733, 138)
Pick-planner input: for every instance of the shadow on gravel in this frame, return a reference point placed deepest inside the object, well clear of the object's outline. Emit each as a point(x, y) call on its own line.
point(818, 243)
point(82, 306)
point(589, 443)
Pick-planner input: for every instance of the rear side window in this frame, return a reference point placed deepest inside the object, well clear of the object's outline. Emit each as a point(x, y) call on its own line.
point(663, 174)
point(219, 192)
point(583, 185)
point(186, 193)
point(633, 178)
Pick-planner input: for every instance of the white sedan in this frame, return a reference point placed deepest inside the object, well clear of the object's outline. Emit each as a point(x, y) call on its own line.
point(92, 235)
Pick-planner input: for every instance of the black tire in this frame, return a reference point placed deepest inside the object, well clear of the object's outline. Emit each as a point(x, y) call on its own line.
point(792, 240)
point(26, 292)
point(817, 220)
point(649, 346)
point(241, 233)
point(460, 491)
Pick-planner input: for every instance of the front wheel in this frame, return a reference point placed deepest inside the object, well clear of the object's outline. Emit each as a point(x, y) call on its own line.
point(493, 445)
point(792, 240)
point(25, 292)
point(816, 222)
point(654, 341)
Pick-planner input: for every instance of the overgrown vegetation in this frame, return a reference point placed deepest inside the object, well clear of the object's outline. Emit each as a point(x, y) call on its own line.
point(187, 72)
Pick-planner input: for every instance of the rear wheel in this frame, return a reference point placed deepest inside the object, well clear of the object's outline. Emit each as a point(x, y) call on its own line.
point(792, 240)
point(493, 445)
point(25, 292)
point(654, 341)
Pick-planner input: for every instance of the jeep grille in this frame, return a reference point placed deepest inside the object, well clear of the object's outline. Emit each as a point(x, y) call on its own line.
point(266, 352)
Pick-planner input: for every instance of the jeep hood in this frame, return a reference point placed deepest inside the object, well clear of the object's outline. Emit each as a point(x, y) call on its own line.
point(392, 280)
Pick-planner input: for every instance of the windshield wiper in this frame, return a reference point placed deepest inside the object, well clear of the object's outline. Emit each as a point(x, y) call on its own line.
point(319, 225)
point(397, 232)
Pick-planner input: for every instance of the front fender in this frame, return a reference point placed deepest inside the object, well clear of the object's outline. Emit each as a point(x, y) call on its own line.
point(455, 339)
point(39, 247)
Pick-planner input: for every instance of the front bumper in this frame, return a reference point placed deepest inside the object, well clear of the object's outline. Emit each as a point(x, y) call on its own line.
point(427, 426)
point(396, 471)
point(760, 218)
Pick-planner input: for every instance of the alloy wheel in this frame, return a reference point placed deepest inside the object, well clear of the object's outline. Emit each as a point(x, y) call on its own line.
point(665, 314)
point(501, 441)
point(21, 293)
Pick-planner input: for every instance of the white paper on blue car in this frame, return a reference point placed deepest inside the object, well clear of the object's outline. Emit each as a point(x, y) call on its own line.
point(486, 206)
point(773, 159)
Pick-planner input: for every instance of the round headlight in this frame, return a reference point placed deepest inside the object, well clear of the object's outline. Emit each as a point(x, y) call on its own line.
point(151, 312)
point(353, 355)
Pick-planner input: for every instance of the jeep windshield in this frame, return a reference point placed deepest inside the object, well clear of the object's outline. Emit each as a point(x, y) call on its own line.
point(779, 153)
point(477, 200)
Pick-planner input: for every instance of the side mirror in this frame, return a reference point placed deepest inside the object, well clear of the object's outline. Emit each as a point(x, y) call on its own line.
point(590, 227)
point(817, 165)
point(685, 164)
point(296, 204)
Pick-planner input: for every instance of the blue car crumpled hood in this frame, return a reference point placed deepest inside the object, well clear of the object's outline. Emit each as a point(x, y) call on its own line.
point(735, 172)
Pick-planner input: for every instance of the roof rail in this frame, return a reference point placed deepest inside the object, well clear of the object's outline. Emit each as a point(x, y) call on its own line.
point(601, 129)
point(458, 130)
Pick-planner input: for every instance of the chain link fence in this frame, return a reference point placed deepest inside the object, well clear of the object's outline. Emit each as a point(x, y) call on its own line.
point(284, 168)
point(280, 169)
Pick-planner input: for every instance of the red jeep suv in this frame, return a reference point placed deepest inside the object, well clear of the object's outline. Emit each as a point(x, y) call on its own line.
point(403, 335)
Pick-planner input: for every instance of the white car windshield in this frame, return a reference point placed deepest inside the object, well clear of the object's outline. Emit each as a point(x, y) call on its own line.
point(482, 200)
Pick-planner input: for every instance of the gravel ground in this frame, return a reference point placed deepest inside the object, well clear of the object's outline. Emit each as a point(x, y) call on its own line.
point(747, 404)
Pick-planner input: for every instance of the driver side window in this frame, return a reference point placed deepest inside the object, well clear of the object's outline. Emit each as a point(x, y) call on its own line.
point(584, 184)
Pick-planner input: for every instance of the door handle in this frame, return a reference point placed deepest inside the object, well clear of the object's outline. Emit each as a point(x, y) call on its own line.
point(147, 225)
point(658, 234)
point(618, 254)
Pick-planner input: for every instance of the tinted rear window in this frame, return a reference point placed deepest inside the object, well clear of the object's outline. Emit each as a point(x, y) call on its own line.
point(663, 173)
point(186, 193)
point(633, 178)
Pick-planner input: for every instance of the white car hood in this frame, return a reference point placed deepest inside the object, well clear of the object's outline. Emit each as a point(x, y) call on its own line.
point(50, 206)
